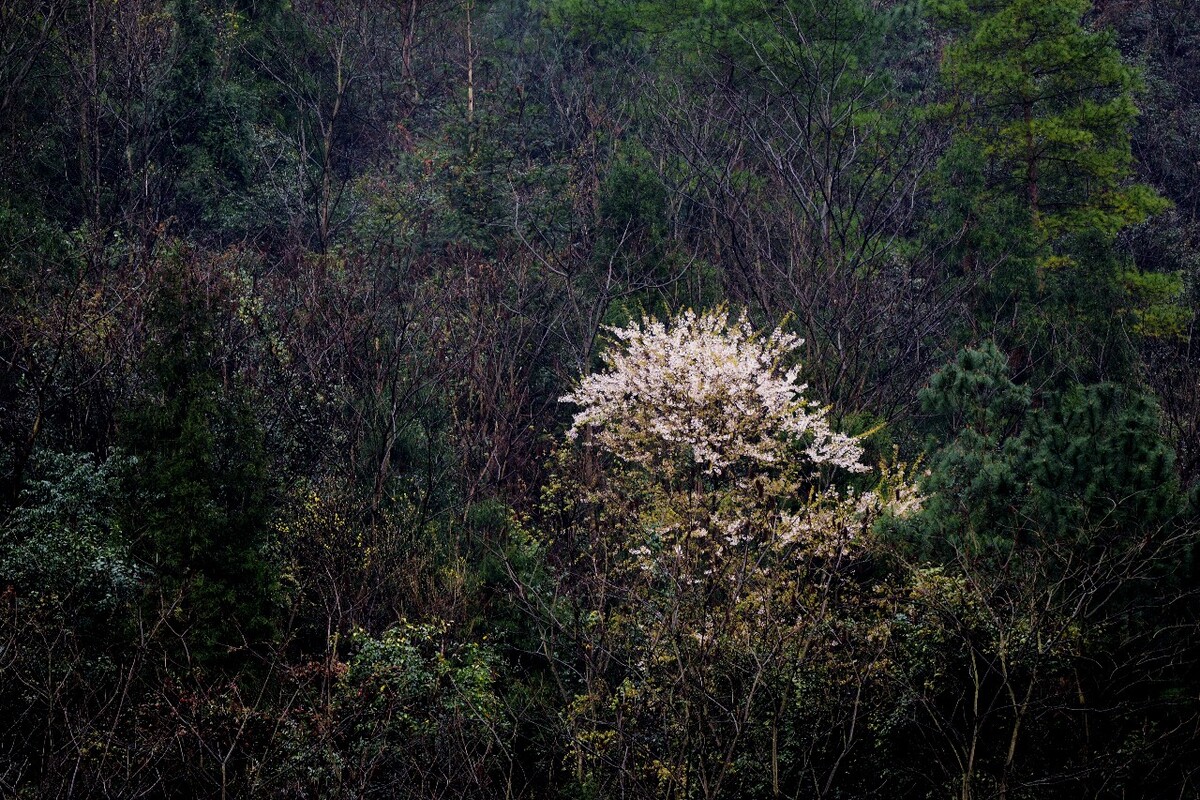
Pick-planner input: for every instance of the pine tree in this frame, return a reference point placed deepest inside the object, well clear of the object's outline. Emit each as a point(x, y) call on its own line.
point(1038, 177)
point(1050, 105)
point(1083, 467)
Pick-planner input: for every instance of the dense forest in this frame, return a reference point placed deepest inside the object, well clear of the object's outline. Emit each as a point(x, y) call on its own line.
point(599, 399)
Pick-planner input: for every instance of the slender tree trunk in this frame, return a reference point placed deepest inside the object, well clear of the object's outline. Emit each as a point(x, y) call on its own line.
point(470, 67)
point(327, 146)
point(406, 49)
point(1031, 164)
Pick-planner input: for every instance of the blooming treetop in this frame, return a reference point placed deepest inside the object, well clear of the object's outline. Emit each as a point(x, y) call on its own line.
point(713, 390)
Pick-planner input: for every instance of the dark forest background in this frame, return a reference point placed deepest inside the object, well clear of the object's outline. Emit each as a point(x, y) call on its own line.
point(289, 293)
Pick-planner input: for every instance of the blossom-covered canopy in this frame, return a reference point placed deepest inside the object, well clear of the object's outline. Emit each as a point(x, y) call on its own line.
point(708, 389)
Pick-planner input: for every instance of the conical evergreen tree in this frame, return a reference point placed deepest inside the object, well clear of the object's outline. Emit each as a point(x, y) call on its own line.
point(202, 506)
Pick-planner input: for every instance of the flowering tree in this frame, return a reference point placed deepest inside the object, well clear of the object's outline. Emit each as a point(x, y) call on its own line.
point(707, 563)
point(715, 393)
point(711, 416)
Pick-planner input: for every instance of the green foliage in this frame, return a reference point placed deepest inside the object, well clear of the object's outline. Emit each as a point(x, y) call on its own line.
point(410, 671)
point(1158, 304)
point(1049, 105)
point(1054, 519)
point(1039, 173)
point(203, 504)
point(694, 30)
point(416, 705)
point(62, 547)
point(207, 124)
point(1083, 466)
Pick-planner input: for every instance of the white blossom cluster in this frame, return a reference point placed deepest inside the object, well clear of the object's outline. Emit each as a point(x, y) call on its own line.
point(834, 524)
point(716, 392)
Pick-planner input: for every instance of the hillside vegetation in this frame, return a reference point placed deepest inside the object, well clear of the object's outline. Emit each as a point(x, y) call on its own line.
point(593, 399)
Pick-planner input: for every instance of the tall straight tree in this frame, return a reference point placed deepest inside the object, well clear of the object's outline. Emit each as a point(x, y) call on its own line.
point(1039, 173)
point(1050, 103)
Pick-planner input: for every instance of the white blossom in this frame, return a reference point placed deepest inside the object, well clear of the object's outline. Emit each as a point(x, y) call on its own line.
point(713, 392)
point(704, 394)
